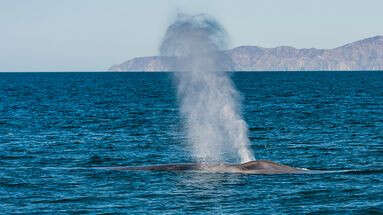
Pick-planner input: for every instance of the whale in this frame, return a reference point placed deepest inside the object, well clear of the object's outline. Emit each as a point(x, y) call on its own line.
point(251, 167)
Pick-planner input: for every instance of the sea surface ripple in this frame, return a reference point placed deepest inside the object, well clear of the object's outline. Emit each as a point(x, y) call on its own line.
point(55, 126)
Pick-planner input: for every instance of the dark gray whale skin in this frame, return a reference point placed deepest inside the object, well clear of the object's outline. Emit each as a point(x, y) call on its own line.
point(251, 167)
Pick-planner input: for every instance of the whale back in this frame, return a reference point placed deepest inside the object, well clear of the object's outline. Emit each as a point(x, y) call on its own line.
point(267, 166)
point(251, 167)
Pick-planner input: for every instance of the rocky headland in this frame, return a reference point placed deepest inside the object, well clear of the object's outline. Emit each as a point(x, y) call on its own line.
point(366, 54)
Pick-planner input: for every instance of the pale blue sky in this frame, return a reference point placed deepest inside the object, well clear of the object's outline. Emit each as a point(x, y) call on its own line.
point(91, 35)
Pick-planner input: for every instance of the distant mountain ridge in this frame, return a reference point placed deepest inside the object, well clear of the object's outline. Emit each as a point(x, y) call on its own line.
point(366, 54)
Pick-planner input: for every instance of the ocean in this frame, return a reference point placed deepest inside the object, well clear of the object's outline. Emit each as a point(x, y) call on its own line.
point(56, 127)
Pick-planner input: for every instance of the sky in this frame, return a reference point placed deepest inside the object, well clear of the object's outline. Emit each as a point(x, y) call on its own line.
point(92, 35)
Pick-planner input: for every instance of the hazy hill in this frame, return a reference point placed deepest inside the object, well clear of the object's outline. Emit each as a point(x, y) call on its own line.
point(366, 54)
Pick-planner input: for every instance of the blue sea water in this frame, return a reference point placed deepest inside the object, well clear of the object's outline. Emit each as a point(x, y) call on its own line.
point(54, 127)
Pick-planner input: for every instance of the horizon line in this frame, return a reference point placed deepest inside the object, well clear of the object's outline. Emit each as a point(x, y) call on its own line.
point(245, 71)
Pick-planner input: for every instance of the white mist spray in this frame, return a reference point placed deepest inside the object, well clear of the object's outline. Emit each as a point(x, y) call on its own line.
point(209, 101)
